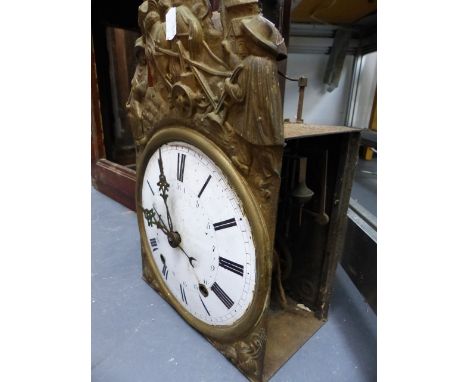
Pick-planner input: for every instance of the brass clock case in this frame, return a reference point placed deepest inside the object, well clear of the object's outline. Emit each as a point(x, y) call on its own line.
point(261, 240)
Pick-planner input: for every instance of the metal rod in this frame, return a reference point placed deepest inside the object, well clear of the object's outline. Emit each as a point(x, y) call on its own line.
point(302, 84)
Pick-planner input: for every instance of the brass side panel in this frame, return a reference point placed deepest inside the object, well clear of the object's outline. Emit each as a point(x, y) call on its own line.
point(287, 333)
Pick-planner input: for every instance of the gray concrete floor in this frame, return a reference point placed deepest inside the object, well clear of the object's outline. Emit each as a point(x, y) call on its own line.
point(136, 336)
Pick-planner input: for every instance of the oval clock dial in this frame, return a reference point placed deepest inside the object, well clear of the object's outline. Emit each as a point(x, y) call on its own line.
point(207, 259)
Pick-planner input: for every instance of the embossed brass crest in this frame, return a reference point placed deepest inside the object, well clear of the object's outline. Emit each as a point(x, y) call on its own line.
point(219, 75)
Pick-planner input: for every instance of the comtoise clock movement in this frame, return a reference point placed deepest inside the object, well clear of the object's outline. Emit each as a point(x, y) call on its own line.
point(206, 115)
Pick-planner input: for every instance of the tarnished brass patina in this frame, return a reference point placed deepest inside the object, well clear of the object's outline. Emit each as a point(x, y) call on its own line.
point(215, 85)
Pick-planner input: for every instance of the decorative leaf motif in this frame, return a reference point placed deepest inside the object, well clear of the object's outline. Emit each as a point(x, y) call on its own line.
point(247, 354)
point(150, 216)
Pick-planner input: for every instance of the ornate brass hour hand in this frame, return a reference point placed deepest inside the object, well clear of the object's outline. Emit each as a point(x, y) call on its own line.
point(173, 237)
point(150, 216)
point(163, 189)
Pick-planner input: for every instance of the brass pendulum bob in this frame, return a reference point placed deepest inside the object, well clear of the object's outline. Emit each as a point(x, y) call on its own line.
point(302, 194)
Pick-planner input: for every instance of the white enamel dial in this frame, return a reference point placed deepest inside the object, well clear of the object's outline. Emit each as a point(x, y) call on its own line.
point(217, 286)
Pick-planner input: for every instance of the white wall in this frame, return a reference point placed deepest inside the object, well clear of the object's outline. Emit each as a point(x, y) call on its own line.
point(320, 106)
point(365, 91)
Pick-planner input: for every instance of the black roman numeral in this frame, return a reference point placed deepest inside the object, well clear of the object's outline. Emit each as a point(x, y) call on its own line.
point(180, 167)
point(225, 299)
point(182, 293)
point(231, 266)
point(204, 186)
point(224, 224)
point(204, 306)
point(147, 181)
point(154, 244)
point(165, 271)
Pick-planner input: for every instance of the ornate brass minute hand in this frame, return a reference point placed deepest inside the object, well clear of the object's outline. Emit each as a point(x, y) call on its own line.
point(164, 188)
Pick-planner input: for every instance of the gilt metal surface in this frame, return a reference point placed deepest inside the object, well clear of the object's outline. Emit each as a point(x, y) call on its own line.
point(215, 85)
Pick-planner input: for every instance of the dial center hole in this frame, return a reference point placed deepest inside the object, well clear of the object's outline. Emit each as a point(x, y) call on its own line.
point(174, 239)
point(203, 290)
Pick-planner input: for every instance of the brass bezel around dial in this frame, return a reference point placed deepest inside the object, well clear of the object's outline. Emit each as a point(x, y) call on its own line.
point(260, 235)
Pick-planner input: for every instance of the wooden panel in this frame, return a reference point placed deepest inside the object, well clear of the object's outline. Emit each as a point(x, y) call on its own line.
point(120, 46)
point(373, 118)
point(298, 130)
point(97, 136)
point(332, 11)
point(336, 234)
point(116, 181)
point(112, 179)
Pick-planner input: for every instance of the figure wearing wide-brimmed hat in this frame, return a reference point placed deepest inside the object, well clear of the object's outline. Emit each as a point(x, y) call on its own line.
point(256, 113)
point(254, 109)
